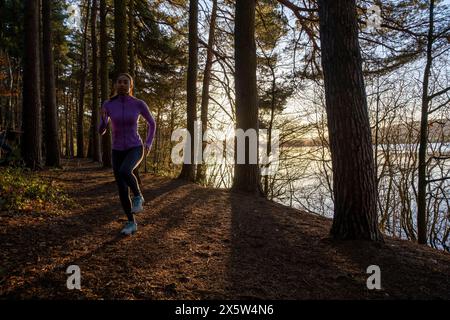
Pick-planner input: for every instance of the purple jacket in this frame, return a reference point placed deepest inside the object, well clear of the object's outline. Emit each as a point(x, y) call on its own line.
point(124, 112)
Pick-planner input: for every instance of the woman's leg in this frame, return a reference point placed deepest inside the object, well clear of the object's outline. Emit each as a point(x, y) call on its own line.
point(132, 159)
point(118, 158)
point(136, 174)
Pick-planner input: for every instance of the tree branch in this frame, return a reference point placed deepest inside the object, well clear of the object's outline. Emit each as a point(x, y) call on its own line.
point(296, 9)
point(440, 179)
point(440, 106)
point(434, 95)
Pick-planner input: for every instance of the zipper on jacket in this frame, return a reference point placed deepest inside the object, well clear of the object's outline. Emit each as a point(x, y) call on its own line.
point(123, 125)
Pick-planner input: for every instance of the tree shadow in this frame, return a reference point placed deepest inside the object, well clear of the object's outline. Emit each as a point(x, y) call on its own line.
point(276, 256)
point(407, 270)
point(37, 240)
point(120, 253)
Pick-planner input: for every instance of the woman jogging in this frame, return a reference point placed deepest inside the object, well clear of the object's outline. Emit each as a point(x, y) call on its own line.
point(127, 147)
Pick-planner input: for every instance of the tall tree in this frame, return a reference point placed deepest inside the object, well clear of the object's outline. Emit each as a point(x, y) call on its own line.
point(2, 19)
point(201, 169)
point(106, 138)
point(84, 66)
point(247, 176)
point(355, 194)
point(436, 95)
point(188, 169)
point(95, 109)
point(51, 122)
point(41, 77)
point(31, 114)
point(71, 126)
point(66, 120)
point(120, 36)
point(131, 36)
point(423, 142)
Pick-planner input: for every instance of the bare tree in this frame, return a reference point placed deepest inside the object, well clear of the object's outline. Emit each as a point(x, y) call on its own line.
point(201, 169)
point(427, 98)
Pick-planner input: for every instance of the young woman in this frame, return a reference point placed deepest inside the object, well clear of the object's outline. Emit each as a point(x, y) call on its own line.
point(127, 147)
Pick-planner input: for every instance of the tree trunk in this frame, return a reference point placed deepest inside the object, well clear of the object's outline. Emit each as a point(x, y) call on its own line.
point(172, 121)
point(80, 120)
point(188, 169)
point(106, 138)
point(201, 169)
point(157, 141)
point(71, 125)
point(51, 120)
point(2, 9)
point(120, 36)
point(423, 143)
point(31, 114)
point(270, 128)
point(96, 156)
point(41, 77)
point(247, 176)
point(19, 84)
point(130, 37)
point(355, 194)
point(10, 109)
point(90, 138)
point(66, 113)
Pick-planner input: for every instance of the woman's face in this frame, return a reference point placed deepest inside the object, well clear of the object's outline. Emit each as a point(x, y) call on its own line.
point(123, 85)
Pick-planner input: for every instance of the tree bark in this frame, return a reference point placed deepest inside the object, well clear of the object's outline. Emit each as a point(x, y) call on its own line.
point(120, 37)
point(66, 113)
point(201, 169)
point(42, 81)
point(355, 194)
point(247, 177)
point(130, 37)
point(51, 121)
point(423, 143)
point(72, 114)
point(96, 156)
point(106, 138)
point(31, 114)
point(188, 169)
point(157, 140)
point(84, 57)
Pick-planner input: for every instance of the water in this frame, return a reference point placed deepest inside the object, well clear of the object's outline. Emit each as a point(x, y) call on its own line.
point(304, 181)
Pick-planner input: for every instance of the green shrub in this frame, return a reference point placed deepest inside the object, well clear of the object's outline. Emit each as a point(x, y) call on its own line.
point(23, 190)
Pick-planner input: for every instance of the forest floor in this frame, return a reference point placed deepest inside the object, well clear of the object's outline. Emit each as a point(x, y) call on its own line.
point(198, 243)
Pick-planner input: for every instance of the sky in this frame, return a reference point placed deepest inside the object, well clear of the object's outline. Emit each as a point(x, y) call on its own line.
point(292, 107)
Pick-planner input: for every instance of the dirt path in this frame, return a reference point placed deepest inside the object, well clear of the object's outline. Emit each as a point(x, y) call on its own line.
point(198, 243)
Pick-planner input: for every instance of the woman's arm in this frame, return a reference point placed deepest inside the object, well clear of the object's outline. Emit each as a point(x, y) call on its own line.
point(145, 112)
point(104, 120)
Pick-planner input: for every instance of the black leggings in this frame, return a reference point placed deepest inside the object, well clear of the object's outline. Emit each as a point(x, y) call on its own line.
point(125, 166)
